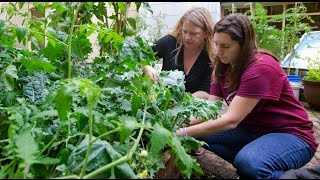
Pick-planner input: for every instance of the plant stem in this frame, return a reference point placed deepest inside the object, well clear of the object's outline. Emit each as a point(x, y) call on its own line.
point(27, 24)
point(104, 134)
point(84, 167)
point(70, 38)
point(4, 140)
point(52, 140)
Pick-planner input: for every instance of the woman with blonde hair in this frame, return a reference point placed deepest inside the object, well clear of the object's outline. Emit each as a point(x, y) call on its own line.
point(188, 48)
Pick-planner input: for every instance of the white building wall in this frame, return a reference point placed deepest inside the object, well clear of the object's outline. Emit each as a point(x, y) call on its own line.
point(165, 16)
point(170, 12)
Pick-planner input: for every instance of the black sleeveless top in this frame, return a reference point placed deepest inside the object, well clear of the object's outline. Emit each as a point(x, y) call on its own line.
point(200, 74)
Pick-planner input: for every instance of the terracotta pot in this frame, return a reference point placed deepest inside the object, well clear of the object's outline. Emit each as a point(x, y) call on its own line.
point(312, 93)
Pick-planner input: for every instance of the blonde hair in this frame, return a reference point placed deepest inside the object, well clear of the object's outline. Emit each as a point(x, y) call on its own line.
point(200, 17)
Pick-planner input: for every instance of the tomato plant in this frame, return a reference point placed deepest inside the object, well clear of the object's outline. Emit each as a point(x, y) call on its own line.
point(62, 118)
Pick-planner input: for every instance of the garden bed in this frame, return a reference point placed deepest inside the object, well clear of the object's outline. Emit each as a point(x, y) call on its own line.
point(213, 166)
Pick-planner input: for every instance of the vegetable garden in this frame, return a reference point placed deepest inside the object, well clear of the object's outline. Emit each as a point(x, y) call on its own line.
point(64, 118)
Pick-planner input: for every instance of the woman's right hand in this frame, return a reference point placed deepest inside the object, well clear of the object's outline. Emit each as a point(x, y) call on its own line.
point(150, 71)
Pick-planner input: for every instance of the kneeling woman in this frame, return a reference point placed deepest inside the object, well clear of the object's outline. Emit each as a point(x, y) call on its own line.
point(265, 130)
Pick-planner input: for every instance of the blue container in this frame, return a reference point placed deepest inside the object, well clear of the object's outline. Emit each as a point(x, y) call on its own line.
point(294, 78)
point(295, 82)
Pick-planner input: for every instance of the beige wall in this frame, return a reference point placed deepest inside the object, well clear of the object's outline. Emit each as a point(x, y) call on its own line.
point(15, 19)
point(170, 12)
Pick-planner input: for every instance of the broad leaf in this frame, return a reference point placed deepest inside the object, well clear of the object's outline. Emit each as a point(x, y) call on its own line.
point(40, 37)
point(129, 124)
point(21, 32)
point(27, 148)
point(52, 36)
point(102, 153)
point(8, 77)
point(63, 102)
point(37, 65)
point(185, 162)
point(159, 138)
point(136, 104)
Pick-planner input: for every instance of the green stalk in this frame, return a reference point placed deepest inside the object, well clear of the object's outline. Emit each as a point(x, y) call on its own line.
point(4, 140)
point(70, 39)
point(5, 169)
point(114, 163)
point(27, 24)
point(84, 167)
point(104, 134)
point(52, 140)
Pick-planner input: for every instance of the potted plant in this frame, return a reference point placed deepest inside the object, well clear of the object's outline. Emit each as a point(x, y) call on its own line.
point(311, 83)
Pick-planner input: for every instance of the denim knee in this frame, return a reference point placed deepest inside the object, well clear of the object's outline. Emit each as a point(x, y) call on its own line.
point(251, 167)
point(246, 165)
point(270, 155)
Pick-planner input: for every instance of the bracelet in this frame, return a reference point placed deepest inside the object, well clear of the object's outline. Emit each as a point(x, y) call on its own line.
point(185, 129)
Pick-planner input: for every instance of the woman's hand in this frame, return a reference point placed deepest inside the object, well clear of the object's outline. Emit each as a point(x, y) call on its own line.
point(150, 71)
point(201, 94)
point(179, 132)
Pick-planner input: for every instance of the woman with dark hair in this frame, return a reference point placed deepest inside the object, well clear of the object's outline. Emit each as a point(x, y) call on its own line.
point(265, 130)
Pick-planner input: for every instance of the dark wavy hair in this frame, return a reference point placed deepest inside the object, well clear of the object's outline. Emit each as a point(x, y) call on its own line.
point(240, 29)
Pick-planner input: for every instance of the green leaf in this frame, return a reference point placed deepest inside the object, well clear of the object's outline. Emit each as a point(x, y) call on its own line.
point(4, 171)
point(21, 32)
point(124, 171)
point(1, 23)
point(102, 153)
point(81, 46)
point(129, 124)
point(46, 160)
point(136, 104)
point(37, 65)
point(53, 53)
point(40, 37)
point(48, 113)
point(63, 102)
point(26, 145)
point(8, 77)
point(121, 6)
point(11, 70)
point(132, 22)
point(185, 162)
point(52, 36)
point(36, 87)
point(159, 138)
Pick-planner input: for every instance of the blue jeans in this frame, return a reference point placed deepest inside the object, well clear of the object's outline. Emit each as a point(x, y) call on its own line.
point(260, 157)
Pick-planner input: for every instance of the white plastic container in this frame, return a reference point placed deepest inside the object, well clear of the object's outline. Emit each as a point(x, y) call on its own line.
point(295, 82)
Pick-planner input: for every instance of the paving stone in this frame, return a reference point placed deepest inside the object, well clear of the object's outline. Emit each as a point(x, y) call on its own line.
point(314, 116)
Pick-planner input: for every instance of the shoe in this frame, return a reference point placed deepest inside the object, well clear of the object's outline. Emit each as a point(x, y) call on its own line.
point(198, 151)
